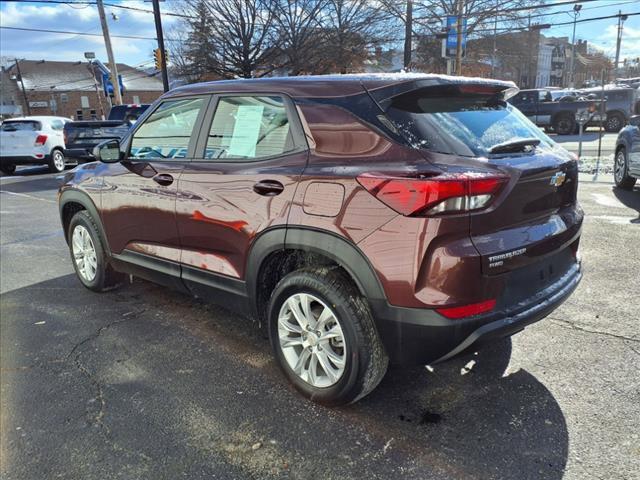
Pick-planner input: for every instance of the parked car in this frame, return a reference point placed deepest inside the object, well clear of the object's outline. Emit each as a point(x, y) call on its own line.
point(560, 116)
point(34, 140)
point(627, 160)
point(621, 104)
point(361, 219)
point(81, 136)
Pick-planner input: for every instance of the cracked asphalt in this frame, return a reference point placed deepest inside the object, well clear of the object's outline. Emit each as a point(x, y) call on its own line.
point(146, 383)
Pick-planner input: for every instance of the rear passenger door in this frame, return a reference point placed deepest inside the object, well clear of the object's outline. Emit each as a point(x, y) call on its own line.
point(250, 155)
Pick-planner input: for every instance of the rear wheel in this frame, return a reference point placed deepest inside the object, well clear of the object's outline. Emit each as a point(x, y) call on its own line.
point(57, 162)
point(564, 124)
point(621, 171)
point(614, 123)
point(324, 338)
point(88, 254)
point(8, 169)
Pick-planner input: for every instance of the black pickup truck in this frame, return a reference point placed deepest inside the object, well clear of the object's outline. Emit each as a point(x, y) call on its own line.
point(558, 116)
point(80, 137)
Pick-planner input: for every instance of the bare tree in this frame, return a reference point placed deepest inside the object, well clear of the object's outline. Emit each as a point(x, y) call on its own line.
point(353, 29)
point(299, 35)
point(239, 36)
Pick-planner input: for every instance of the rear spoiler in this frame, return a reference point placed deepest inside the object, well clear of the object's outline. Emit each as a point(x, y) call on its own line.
point(385, 95)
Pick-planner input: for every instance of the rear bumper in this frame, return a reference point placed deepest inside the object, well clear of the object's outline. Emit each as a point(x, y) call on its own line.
point(79, 154)
point(422, 336)
point(25, 159)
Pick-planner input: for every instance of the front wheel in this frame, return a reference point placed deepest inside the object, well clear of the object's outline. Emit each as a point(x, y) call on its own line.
point(324, 337)
point(57, 162)
point(621, 171)
point(88, 254)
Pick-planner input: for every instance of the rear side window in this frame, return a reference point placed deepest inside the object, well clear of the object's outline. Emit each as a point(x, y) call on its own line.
point(57, 124)
point(166, 133)
point(248, 128)
point(445, 120)
point(20, 126)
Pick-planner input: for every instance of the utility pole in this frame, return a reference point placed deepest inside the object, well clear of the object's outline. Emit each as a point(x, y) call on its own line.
point(621, 19)
point(24, 92)
point(495, 35)
point(459, 38)
point(576, 13)
point(165, 75)
point(408, 34)
point(112, 62)
point(529, 55)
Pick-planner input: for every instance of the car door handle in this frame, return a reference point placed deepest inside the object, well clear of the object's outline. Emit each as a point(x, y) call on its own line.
point(163, 179)
point(268, 188)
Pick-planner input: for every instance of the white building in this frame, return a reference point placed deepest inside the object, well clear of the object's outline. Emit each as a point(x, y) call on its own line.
point(543, 75)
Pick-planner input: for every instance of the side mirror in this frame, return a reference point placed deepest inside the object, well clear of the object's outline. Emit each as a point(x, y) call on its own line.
point(635, 121)
point(108, 151)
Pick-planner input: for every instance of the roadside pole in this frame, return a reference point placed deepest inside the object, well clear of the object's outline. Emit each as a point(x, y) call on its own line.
point(459, 38)
point(163, 53)
point(602, 113)
point(408, 34)
point(24, 92)
point(112, 62)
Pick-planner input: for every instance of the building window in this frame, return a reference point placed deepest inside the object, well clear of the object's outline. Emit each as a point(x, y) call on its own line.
point(84, 101)
point(64, 98)
point(136, 99)
point(79, 115)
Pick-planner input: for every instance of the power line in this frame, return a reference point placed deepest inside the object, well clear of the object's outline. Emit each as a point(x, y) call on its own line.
point(75, 33)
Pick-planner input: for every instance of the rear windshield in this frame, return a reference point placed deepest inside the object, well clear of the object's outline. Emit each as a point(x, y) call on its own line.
point(20, 125)
point(444, 120)
point(127, 112)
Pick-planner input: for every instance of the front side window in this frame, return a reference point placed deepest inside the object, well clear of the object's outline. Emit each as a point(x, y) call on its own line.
point(247, 128)
point(57, 124)
point(167, 131)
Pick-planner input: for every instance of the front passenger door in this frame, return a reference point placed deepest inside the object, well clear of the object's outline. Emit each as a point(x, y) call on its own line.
point(139, 193)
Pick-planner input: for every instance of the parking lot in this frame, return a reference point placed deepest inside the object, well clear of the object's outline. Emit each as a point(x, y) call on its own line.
point(143, 382)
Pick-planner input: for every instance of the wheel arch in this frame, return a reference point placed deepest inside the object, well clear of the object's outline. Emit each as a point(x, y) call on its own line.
point(282, 250)
point(73, 201)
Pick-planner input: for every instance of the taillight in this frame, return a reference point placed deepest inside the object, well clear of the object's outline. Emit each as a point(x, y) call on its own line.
point(448, 193)
point(40, 140)
point(64, 137)
point(467, 310)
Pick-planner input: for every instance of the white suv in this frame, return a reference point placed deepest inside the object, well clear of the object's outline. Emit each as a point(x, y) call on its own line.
point(32, 141)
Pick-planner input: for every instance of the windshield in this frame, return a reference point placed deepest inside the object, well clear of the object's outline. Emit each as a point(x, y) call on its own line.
point(463, 124)
point(20, 125)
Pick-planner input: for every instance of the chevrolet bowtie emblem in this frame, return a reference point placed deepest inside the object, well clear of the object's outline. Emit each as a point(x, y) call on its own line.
point(558, 179)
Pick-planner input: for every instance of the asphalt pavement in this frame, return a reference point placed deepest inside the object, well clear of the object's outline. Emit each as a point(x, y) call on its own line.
point(146, 383)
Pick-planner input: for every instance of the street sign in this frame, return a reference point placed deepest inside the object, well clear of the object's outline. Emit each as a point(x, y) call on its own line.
point(89, 55)
point(451, 42)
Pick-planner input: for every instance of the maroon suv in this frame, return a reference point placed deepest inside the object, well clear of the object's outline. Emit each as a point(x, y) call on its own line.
point(361, 218)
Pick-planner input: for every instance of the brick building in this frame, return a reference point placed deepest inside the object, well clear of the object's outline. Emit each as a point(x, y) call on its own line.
point(70, 89)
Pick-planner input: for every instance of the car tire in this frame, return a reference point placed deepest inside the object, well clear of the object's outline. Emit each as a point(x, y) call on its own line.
point(564, 124)
point(345, 359)
point(614, 122)
point(621, 171)
point(8, 169)
point(57, 161)
point(88, 255)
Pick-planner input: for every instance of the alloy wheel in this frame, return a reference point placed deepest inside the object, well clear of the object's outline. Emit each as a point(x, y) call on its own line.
point(312, 340)
point(618, 168)
point(58, 160)
point(84, 253)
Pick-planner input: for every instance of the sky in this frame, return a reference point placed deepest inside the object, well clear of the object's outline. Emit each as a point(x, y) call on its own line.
point(139, 52)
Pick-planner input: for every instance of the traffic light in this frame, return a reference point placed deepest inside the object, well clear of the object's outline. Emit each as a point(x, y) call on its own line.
point(157, 55)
